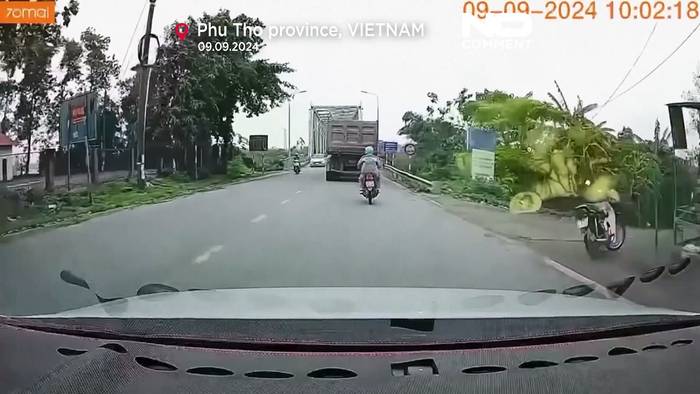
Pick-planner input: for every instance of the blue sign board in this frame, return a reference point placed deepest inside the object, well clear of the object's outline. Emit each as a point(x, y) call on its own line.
point(391, 147)
point(481, 139)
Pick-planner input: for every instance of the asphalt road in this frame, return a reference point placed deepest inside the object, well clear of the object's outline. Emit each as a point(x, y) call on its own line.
point(284, 231)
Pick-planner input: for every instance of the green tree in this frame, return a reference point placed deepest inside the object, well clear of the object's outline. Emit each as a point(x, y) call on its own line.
point(197, 94)
point(102, 69)
point(30, 49)
point(35, 87)
point(70, 66)
point(438, 136)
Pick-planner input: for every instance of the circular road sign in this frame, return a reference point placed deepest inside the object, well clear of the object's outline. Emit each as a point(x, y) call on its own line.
point(410, 149)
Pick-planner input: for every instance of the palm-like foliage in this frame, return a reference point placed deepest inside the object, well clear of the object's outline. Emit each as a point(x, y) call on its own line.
point(579, 112)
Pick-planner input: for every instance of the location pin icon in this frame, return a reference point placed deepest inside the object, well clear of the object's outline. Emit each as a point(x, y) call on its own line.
point(181, 30)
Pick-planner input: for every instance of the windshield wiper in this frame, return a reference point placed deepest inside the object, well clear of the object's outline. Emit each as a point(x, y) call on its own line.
point(151, 288)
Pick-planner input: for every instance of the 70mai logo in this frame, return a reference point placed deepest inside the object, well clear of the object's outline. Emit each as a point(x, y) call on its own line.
point(26, 12)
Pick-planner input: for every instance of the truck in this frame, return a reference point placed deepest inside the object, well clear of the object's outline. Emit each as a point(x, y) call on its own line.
point(339, 132)
point(346, 144)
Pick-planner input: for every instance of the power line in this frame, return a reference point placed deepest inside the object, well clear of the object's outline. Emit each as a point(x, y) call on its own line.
point(660, 64)
point(131, 40)
point(629, 71)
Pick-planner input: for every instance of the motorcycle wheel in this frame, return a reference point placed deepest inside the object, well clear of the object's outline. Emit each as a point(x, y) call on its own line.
point(620, 233)
point(369, 197)
point(593, 248)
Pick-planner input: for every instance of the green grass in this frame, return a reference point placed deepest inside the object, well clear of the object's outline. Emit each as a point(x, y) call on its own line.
point(77, 206)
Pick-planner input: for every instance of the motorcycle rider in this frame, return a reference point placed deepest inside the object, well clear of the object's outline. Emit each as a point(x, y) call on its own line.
point(296, 161)
point(602, 195)
point(369, 164)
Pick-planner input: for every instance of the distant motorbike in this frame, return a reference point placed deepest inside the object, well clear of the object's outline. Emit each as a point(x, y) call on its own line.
point(369, 191)
point(297, 167)
point(602, 226)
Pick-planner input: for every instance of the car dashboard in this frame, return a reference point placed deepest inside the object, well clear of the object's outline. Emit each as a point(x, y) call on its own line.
point(49, 360)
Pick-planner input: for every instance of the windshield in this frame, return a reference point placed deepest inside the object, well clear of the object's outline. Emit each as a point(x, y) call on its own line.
point(517, 148)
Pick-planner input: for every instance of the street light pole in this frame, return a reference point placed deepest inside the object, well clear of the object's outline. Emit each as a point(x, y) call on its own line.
point(289, 122)
point(376, 96)
point(144, 76)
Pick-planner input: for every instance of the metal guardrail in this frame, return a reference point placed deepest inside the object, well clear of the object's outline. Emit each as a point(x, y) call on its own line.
point(413, 180)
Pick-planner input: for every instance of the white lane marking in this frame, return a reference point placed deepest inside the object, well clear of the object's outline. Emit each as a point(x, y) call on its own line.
point(578, 277)
point(298, 191)
point(436, 203)
point(259, 218)
point(284, 202)
point(207, 254)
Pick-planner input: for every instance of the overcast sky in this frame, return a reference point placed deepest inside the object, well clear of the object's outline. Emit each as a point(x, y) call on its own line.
point(587, 58)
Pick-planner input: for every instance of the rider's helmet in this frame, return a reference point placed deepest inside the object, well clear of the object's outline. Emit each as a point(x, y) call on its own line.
point(369, 150)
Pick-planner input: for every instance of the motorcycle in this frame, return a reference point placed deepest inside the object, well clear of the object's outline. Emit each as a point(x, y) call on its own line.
point(602, 226)
point(369, 191)
point(297, 167)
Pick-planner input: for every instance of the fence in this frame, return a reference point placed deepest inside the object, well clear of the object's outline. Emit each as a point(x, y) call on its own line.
point(70, 166)
point(13, 165)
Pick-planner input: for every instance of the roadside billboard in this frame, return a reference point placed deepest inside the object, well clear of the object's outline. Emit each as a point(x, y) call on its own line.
point(482, 144)
point(257, 143)
point(78, 119)
point(482, 139)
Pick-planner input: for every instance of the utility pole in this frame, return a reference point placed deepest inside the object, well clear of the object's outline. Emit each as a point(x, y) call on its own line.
point(376, 96)
point(289, 122)
point(656, 198)
point(144, 78)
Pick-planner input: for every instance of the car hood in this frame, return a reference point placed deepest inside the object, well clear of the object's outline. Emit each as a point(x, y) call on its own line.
point(361, 303)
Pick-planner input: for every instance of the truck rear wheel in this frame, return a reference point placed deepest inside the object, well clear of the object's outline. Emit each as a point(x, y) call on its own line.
point(329, 176)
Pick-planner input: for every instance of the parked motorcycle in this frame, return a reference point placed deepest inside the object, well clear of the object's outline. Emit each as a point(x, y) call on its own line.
point(369, 191)
point(297, 167)
point(602, 226)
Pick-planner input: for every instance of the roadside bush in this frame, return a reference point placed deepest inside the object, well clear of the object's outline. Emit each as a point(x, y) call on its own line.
point(248, 162)
point(165, 172)
point(9, 203)
point(181, 177)
point(237, 169)
point(513, 167)
point(34, 196)
point(202, 173)
point(481, 190)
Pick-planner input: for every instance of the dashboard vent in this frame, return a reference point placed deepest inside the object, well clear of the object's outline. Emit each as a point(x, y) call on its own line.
point(210, 371)
point(156, 365)
point(580, 359)
point(70, 352)
point(681, 342)
point(115, 347)
point(618, 351)
point(537, 364)
point(483, 369)
point(269, 375)
point(332, 373)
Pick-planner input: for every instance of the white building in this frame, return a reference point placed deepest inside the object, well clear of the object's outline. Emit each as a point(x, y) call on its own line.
point(7, 159)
